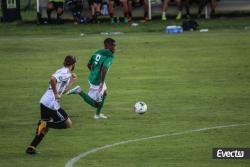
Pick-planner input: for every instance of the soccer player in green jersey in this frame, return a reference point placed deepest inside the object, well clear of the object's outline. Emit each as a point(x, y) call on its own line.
point(98, 65)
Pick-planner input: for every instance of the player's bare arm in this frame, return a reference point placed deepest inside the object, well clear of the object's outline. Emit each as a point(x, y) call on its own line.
point(73, 78)
point(103, 75)
point(89, 66)
point(53, 86)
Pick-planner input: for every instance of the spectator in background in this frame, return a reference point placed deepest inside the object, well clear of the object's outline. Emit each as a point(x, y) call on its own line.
point(95, 7)
point(186, 4)
point(76, 7)
point(145, 7)
point(165, 8)
point(133, 3)
point(203, 3)
point(111, 11)
point(56, 5)
point(125, 10)
point(130, 8)
point(104, 8)
point(124, 4)
point(145, 4)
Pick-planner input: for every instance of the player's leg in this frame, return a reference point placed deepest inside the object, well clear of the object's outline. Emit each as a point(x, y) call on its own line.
point(31, 149)
point(60, 124)
point(201, 6)
point(213, 6)
point(179, 8)
point(99, 108)
point(50, 8)
point(98, 10)
point(111, 11)
point(98, 7)
point(60, 120)
point(125, 10)
point(92, 8)
point(41, 131)
point(59, 11)
point(186, 5)
point(100, 98)
point(94, 97)
point(145, 7)
point(130, 8)
point(164, 9)
point(72, 8)
point(88, 99)
point(84, 96)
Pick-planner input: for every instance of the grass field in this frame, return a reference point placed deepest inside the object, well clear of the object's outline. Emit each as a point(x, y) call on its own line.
point(189, 81)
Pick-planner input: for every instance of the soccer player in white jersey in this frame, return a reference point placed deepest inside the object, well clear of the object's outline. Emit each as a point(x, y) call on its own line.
point(52, 115)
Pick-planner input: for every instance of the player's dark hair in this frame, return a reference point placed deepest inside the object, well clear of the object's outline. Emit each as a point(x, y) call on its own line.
point(108, 42)
point(69, 60)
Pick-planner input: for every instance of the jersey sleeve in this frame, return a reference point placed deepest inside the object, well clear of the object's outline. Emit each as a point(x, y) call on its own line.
point(91, 60)
point(58, 76)
point(61, 75)
point(107, 63)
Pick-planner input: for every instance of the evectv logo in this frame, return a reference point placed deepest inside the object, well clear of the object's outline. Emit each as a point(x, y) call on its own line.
point(231, 153)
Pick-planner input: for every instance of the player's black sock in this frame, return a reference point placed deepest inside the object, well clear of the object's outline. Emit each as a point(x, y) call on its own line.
point(37, 139)
point(57, 125)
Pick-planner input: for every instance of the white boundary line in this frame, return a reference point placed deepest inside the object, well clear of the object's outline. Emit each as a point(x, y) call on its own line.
point(71, 162)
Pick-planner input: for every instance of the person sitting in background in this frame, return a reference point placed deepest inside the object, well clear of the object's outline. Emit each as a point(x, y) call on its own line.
point(112, 11)
point(145, 6)
point(186, 4)
point(130, 8)
point(56, 5)
point(203, 3)
point(165, 8)
point(75, 6)
point(125, 10)
point(104, 8)
point(95, 7)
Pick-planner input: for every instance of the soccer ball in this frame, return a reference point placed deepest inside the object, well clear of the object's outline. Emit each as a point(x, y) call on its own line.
point(140, 107)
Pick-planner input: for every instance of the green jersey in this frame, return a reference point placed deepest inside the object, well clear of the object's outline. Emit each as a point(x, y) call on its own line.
point(99, 59)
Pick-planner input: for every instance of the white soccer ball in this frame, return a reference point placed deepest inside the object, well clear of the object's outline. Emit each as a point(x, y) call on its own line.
point(140, 107)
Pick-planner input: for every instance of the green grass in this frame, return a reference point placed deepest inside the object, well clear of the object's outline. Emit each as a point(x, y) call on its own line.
point(189, 81)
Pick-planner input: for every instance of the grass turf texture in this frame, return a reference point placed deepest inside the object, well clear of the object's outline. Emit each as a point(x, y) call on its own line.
point(189, 81)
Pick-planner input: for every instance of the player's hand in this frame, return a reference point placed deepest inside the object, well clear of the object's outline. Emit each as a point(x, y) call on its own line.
point(74, 76)
point(57, 96)
point(101, 86)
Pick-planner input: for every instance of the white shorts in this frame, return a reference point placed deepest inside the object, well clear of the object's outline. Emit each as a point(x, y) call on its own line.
point(94, 92)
